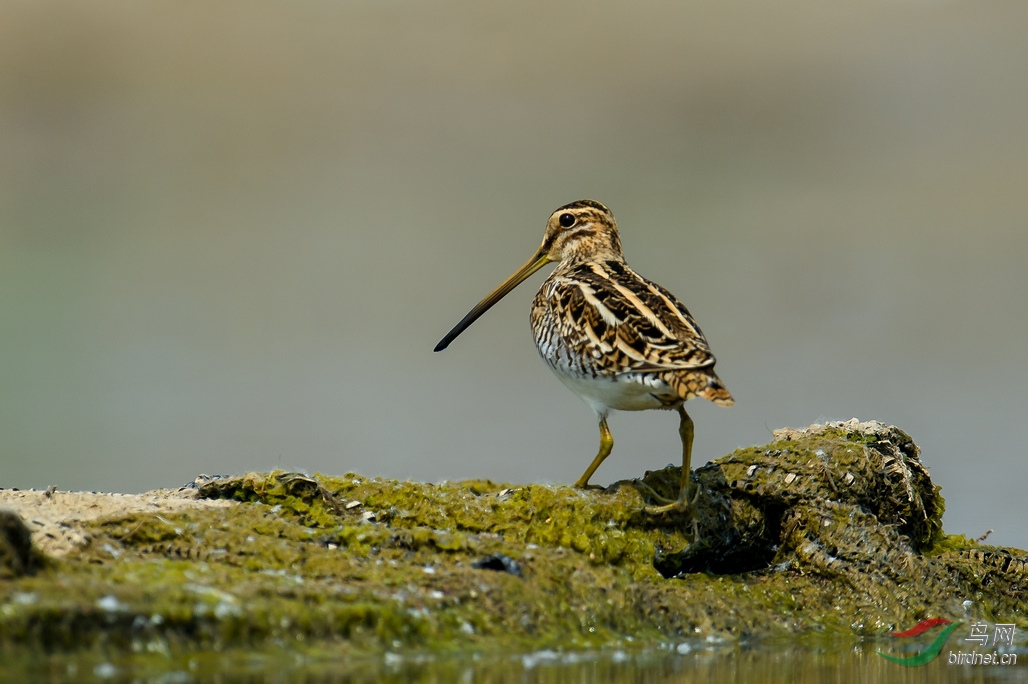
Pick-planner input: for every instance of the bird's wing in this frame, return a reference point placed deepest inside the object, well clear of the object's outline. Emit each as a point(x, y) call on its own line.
point(607, 312)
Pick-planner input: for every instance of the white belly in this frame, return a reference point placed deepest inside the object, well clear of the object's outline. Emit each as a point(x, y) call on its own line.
point(625, 393)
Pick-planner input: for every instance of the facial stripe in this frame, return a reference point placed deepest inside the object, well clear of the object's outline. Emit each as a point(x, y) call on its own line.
point(584, 229)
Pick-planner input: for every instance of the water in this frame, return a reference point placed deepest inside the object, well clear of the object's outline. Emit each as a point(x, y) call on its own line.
point(794, 662)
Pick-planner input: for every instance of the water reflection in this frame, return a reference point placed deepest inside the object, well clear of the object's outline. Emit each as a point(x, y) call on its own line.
point(796, 662)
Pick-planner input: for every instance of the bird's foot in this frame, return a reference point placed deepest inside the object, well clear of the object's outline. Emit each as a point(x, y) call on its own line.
point(651, 493)
point(680, 505)
point(683, 505)
point(590, 487)
point(676, 506)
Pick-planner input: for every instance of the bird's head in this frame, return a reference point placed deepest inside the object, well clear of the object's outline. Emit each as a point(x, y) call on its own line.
point(581, 230)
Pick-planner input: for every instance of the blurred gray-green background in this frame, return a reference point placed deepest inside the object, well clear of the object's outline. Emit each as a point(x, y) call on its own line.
point(232, 232)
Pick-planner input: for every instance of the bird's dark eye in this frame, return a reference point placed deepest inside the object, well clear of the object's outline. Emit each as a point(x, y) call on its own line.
point(567, 220)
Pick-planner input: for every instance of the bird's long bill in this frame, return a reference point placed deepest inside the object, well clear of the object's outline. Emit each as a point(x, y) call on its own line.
point(531, 266)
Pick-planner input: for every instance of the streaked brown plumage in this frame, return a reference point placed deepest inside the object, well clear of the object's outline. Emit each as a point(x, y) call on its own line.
point(614, 338)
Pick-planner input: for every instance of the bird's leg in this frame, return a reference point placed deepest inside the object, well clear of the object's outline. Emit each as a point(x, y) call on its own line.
point(606, 444)
point(682, 504)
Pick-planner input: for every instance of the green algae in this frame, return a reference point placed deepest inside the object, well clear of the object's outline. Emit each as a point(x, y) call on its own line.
point(837, 531)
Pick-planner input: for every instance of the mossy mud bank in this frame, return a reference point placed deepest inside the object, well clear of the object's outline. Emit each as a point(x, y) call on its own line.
point(836, 529)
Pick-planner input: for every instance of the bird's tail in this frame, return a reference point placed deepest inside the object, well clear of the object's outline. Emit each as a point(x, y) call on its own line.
point(704, 384)
point(717, 393)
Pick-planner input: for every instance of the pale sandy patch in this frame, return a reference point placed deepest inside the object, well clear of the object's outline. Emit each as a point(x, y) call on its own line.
point(57, 518)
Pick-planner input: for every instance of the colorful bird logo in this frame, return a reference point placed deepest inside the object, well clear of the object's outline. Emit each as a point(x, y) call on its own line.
point(928, 655)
